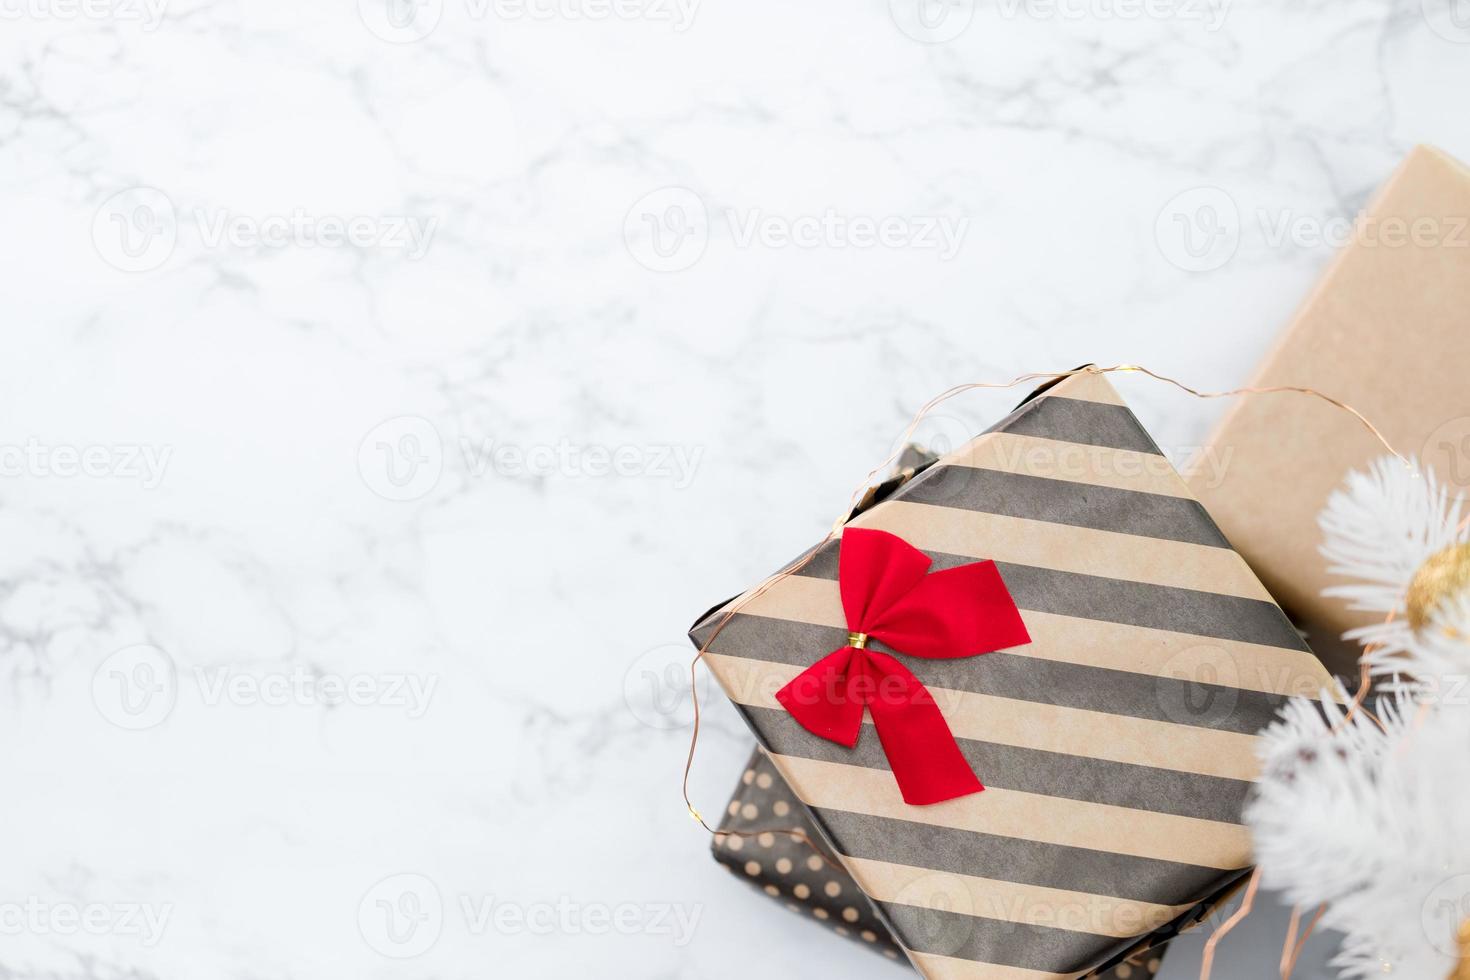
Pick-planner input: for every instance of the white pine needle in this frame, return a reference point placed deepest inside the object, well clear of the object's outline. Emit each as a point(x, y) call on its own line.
point(1370, 820)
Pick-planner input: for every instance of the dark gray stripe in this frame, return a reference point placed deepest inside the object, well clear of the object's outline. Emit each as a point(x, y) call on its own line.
point(1035, 498)
point(1073, 420)
point(1034, 771)
point(987, 940)
point(1025, 862)
point(1164, 607)
point(1004, 675)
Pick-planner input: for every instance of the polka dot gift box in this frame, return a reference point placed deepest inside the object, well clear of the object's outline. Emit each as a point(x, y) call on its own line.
point(1018, 695)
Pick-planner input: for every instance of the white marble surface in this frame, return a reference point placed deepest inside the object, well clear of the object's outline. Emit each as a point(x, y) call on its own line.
point(611, 337)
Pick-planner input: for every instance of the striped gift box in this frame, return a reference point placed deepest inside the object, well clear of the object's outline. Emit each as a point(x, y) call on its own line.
point(794, 870)
point(1117, 748)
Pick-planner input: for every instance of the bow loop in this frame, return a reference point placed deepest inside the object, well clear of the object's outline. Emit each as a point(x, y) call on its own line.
point(875, 570)
point(819, 698)
point(888, 594)
point(959, 612)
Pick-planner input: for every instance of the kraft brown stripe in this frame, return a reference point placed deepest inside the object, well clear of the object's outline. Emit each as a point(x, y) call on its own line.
point(1199, 613)
point(1090, 387)
point(1005, 675)
point(1033, 771)
point(1022, 861)
point(1008, 901)
point(1086, 551)
point(1093, 643)
point(1096, 466)
point(1032, 725)
point(934, 967)
point(1025, 815)
point(1014, 944)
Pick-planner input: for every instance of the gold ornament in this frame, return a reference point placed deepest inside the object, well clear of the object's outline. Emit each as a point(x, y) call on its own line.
point(1442, 575)
point(1462, 969)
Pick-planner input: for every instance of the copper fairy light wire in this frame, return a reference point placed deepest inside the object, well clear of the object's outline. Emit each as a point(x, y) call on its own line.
point(793, 833)
point(1288, 962)
point(1290, 946)
point(1207, 961)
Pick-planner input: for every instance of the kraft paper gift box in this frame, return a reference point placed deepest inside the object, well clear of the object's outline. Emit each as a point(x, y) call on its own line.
point(1117, 747)
point(795, 870)
point(1388, 331)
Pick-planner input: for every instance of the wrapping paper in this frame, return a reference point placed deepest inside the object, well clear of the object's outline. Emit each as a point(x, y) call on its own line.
point(1388, 317)
point(789, 870)
point(1117, 748)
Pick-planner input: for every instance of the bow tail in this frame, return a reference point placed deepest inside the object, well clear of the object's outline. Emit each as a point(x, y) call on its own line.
point(819, 699)
point(922, 751)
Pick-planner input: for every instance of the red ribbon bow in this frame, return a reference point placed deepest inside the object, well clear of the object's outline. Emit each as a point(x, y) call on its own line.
point(887, 595)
